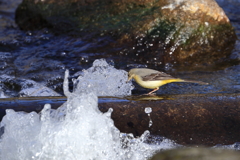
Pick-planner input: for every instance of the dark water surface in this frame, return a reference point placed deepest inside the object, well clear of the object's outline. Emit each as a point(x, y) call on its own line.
point(30, 58)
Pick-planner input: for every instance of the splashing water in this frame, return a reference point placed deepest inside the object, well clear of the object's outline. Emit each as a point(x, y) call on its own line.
point(75, 131)
point(148, 110)
point(107, 80)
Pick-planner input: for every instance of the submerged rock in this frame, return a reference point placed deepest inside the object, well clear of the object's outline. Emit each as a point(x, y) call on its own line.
point(19, 87)
point(197, 154)
point(159, 33)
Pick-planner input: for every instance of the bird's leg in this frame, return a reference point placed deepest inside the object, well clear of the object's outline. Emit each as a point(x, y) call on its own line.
point(153, 91)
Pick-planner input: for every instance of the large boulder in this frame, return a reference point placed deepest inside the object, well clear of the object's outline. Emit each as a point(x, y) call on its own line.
point(159, 33)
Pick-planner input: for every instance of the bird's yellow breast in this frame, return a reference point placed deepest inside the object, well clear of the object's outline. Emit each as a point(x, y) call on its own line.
point(153, 84)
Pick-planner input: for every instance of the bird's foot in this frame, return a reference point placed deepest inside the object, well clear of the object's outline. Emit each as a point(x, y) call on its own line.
point(150, 94)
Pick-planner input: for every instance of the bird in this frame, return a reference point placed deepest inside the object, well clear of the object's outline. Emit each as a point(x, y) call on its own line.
point(153, 79)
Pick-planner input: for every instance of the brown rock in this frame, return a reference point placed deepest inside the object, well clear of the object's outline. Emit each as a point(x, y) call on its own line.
point(197, 154)
point(180, 33)
point(186, 119)
point(189, 120)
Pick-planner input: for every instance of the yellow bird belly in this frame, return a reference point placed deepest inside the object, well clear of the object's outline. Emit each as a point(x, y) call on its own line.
point(154, 84)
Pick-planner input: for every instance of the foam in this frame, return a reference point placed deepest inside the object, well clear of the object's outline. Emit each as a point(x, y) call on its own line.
point(76, 130)
point(107, 80)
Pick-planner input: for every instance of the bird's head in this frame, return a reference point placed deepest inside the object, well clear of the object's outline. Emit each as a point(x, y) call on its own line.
point(131, 74)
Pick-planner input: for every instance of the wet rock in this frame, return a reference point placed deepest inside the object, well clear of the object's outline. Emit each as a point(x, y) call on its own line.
point(179, 33)
point(186, 119)
point(7, 11)
point(197, 154)
point(9, 6)
point(19, 87)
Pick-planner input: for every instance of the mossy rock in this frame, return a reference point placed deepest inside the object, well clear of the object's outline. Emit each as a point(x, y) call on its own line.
point(152, 31)
point(197, 154)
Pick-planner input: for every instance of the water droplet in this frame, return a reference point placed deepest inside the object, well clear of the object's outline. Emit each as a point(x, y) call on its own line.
point(148, 110)
point(150, 123)
point(63, 54)
point(29, 33)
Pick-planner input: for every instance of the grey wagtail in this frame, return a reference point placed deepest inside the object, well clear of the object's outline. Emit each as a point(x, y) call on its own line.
point(152, 79)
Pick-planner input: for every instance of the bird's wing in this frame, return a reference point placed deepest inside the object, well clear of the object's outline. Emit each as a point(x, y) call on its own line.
point(157, 76)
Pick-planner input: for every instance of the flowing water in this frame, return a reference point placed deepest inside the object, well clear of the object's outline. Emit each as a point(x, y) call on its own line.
point(76, 130)
point(33, 64)
point(37, 59)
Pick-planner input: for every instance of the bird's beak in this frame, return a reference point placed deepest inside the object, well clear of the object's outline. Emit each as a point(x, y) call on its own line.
point(129, 78)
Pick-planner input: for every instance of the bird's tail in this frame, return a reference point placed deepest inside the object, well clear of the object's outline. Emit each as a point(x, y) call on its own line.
point(193, 81)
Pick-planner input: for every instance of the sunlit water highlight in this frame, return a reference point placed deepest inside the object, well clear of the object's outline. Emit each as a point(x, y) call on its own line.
point(76, 130)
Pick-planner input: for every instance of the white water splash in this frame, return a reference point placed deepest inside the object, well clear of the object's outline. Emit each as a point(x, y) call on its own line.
point(75, 131)
point(107, 80)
